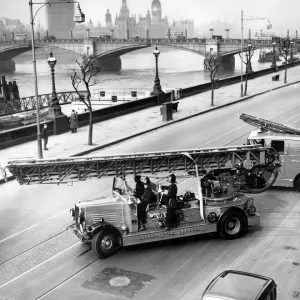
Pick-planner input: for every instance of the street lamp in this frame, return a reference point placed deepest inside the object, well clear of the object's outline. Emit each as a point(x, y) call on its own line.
point(291, 58)
point(54, 101)
point(274, 56)
point(79, 17)
point(269, 26)
point(157, 87)
point(249, 66)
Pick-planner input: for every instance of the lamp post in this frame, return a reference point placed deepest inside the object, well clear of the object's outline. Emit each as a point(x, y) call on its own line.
point(249, 66)
point(157, 87)
point(54, 101)
point(78, 18)
point(291, 58)
point(269, 26)
point(274, 56)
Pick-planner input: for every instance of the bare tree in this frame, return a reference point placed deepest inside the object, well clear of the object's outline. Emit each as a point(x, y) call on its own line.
point(212, 66)
point(247, 62)
point(284, 48)
point(85, 75)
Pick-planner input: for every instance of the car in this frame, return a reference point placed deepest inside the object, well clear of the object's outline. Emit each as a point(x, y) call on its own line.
point(238, 285)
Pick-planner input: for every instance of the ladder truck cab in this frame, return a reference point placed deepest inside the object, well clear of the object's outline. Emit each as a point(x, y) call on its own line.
point(211, 185)
point(285, 140)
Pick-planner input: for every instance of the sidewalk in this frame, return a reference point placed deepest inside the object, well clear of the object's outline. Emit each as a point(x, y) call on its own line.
point(124, 127)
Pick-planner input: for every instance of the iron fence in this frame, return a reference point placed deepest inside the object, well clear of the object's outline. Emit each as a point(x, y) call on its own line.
point(24, 104)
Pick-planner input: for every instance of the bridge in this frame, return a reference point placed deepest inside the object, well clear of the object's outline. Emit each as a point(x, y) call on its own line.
point(107, 52)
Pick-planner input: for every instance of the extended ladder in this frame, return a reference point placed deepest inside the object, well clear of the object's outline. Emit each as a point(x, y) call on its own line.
point(81, 168)
point(266, 125)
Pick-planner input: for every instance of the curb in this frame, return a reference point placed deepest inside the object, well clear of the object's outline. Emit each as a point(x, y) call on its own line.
point(176, 121)
point(9, 178)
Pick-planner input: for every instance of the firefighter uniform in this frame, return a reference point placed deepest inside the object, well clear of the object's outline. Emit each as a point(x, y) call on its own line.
point(171, 203)
point(141, 207)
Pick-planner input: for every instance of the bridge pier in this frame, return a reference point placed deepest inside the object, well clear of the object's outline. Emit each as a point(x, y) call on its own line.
point(227, 62)
point(7, 65)
point(108, 64)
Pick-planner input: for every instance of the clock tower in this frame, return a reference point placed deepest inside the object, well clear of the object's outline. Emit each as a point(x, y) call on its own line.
point(156, 12)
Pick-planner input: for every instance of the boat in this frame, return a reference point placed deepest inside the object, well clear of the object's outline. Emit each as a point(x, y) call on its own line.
point(10, 121)
point(266, 55)
point(30, 117)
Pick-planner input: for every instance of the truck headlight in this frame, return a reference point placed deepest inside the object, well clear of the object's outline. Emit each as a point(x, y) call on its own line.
point(212, 217)
point(251, 211)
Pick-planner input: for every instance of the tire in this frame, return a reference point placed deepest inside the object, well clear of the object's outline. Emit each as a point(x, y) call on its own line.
point(232, 225)
point(104, 243)
point(297, 184)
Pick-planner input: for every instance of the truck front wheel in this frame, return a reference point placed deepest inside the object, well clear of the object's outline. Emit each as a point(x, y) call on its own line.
point(232, 225)
point(104, 244)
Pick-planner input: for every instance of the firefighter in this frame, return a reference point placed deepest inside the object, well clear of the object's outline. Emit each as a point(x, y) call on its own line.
point(141, 207)
point(171, 204)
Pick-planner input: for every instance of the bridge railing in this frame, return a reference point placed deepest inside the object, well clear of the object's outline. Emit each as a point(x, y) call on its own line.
point(24, 104)
point(137, 41)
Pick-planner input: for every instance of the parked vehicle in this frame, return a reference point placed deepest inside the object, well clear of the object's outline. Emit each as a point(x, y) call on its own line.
point(238, 285)
point(285, 140)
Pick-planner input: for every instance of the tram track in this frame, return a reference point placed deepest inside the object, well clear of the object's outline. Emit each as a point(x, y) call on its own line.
point(37, 283)
point(23, 262)
point(29, 249)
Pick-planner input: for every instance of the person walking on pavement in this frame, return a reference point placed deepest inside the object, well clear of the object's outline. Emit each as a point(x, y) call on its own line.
point(74, 121)
point(45, 135)
point(171, 204)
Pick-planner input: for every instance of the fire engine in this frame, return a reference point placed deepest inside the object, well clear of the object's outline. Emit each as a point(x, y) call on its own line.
point(285, 140)
point(220, 175)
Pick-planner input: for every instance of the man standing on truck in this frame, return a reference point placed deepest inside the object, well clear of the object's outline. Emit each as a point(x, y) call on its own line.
point(171, 204)
point(141, 207)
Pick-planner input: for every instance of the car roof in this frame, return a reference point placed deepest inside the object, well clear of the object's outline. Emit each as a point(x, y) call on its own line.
point(238, 285)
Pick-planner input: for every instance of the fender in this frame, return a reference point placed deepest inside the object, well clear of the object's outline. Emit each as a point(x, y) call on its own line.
point(230, 209)
point(104, 225)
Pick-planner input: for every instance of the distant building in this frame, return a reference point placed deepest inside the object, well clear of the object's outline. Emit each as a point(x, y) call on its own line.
point(152, 23)
point(11, 25)
point(59, 19)
point(125, 25)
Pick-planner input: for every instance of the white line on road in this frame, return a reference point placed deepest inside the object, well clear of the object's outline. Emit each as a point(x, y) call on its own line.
point(9, 237)
point(235, 129)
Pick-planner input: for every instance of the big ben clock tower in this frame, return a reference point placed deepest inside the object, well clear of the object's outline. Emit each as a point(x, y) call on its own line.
point(156, 12)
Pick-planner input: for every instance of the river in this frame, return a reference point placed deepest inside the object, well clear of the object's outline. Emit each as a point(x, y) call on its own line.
point(177, 69)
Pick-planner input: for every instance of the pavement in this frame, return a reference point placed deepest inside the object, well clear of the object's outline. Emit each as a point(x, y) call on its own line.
point(125, 127)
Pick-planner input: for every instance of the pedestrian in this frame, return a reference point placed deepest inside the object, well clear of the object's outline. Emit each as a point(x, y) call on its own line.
point(171, 220)
point(74, 121)
point(45, 135)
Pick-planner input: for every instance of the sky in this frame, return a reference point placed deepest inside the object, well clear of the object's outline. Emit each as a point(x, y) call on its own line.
point(283, 15)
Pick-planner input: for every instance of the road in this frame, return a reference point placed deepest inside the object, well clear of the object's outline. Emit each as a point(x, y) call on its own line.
point(39, 259)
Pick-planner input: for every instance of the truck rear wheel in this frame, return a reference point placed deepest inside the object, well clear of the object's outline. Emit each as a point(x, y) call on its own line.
point(232, 225)
point(297, 184)
point(104, 243)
